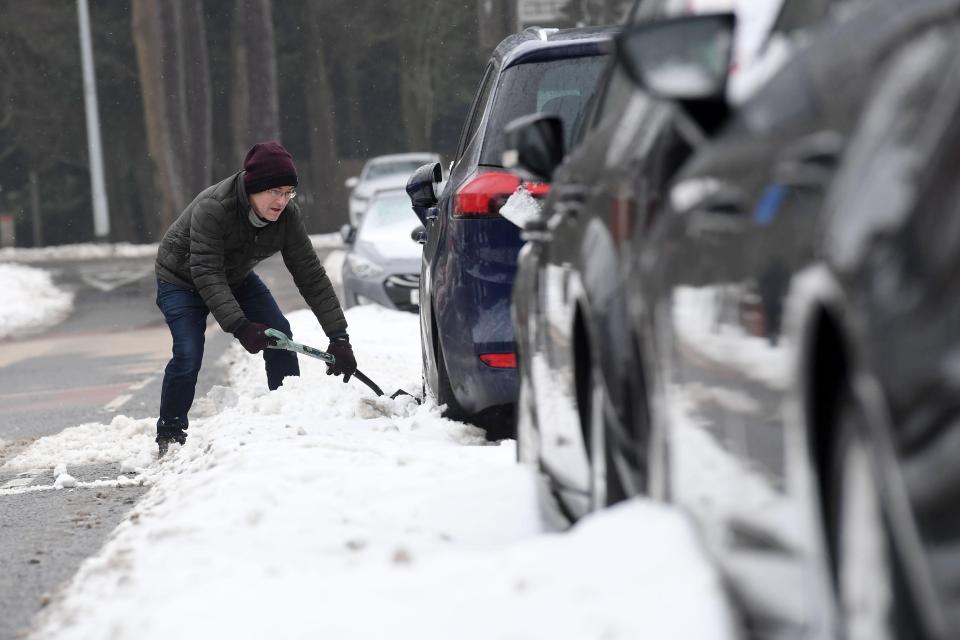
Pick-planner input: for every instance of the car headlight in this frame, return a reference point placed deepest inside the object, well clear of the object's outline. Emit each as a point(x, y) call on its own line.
point(363, 267)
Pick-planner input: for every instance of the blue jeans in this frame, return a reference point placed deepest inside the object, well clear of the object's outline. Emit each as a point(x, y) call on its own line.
point(186, 315)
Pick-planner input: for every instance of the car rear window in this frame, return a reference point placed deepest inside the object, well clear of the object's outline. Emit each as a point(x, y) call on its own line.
point(561, 87)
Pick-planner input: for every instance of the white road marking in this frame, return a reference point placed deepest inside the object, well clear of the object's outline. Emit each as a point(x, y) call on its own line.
point(117, 402)
point(18, 482)
point(121, 400)
point(140, 385)
point(108, 281)
point(23, 479)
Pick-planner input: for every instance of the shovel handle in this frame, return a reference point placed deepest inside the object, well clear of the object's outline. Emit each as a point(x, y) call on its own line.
point(281, 341)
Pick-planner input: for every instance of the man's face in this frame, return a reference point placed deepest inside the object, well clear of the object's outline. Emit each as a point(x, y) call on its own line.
point(270, 204)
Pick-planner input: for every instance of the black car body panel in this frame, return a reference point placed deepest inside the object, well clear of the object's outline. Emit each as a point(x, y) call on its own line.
point(730, 287)
point(694, 267)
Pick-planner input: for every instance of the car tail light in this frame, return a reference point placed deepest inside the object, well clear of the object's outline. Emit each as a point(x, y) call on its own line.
point(499, 360)
point(482, 195)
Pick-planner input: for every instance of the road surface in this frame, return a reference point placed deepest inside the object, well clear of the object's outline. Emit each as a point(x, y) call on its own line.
point(106, 359)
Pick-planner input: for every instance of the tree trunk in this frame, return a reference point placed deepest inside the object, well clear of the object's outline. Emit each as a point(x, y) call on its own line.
point(417, 80)
point(321, 113)
point(257, 112)
point(145, 22)
point(196, 103)
point(35, 214)
point(175, 80)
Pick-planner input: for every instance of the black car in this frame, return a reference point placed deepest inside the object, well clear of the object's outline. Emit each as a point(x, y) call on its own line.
point(791, 297)
point(578, 383)
point(569, 301)
point(470, 250)
point(732, 389)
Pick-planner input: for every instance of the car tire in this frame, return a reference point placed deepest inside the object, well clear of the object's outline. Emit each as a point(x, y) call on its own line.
point(605, 486)
point(871, 597)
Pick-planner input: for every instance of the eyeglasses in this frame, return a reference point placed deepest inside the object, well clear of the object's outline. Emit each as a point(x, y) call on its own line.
point(286, 195)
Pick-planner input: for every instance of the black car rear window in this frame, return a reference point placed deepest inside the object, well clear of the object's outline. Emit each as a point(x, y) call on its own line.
point(561, 87)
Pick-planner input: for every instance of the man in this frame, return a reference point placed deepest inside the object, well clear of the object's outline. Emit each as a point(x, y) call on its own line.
point(205, 264)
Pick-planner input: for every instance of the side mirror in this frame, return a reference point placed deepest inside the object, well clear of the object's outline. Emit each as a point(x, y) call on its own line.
point(534, 146)
point(348, 233)
point(684, 59)
point(420, 188)
point(352, 182)
point(419, 235)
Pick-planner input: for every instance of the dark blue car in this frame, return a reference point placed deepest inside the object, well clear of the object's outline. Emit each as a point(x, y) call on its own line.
point(470, 250)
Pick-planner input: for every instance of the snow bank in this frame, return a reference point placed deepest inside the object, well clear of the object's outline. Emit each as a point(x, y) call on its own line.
point(91, 251)
point(124, 439)
point(319, 510)
point(326, 240)
point(29, 301)
point(79, 251)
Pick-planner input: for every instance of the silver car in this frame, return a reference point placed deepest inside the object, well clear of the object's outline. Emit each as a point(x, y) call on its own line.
point(382, 265)
point(383, 172)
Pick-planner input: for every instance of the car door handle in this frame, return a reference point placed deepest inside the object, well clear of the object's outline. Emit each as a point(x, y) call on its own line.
point(810, 162)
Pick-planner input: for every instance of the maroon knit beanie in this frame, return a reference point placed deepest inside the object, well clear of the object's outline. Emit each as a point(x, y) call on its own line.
point(268, 165)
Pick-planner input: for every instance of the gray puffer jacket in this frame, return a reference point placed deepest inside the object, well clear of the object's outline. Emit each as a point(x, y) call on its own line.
point(213, 246)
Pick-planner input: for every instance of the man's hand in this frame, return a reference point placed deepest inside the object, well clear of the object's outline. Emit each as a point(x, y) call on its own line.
point(346, 364)
point(253, 338)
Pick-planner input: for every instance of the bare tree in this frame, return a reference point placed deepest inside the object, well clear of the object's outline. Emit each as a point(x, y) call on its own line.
point(256, 115)
point(417, 77)
point(321, 111)
point(431, 65)
point(171, 54)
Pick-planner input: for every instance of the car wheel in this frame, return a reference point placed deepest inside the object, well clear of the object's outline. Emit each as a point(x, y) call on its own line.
point(865, 567)
point(605, 486)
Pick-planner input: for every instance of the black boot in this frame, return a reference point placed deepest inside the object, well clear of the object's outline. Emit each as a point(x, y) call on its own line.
point(170, 431)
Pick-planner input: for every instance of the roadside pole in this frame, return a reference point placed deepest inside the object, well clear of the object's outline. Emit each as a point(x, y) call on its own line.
point(101, 214)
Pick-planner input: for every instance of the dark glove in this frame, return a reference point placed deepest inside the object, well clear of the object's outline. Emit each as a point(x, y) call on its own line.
point(252, 337)
point(346, 364)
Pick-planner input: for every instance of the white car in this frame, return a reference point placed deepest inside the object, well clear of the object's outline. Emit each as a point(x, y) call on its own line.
point(382, 265)
point(383, 172)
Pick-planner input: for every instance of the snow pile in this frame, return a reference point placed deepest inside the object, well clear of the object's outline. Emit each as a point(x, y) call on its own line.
point(79, 251)
point(326, 240)
point(29, 301)
point(319, 510)
point(520, 208)
point(125, 439)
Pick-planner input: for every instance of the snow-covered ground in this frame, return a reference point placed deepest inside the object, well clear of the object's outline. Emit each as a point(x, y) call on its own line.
point(91, 250)
point(29, 301)
point(319, 510)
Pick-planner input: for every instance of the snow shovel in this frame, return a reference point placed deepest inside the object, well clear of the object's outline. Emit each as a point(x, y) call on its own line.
point(283, 342)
